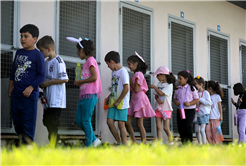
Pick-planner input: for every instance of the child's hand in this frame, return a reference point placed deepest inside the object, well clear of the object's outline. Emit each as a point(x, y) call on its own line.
point(28, 91)
point(221, 118)
point(116, 103)
point(77, 82)
point(232, 101)
point(239, 100)
point(187, 103)
point(10, 91)
point(44, 84)
point(152, 86)
point(159, 101)
point(176, 102)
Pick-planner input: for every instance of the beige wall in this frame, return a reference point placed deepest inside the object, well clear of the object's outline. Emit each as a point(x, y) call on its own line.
point(231, 18)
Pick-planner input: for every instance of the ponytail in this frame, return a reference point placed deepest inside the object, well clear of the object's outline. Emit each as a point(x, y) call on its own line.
point(142, 66)
point(171, 79)
point(216, 87)
point(88, 47)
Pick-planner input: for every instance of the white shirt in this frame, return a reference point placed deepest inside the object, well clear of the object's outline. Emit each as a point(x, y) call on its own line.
point(205, 103)
point(215, 113)
point(119, 78)
point(56, 94)
point(167, 89)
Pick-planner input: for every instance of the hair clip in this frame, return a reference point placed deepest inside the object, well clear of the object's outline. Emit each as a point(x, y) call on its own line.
point(216, 82)
point(187, 71)
point(139, 56)
point(198, 77)
point(72, 39)
point(86, 38)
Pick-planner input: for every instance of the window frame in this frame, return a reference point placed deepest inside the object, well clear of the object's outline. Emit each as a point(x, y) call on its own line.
point(241, 42)
point(148, 11)
point(78, 60)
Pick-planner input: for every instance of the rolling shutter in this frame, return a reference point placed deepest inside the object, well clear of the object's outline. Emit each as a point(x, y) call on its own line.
point(243, 55)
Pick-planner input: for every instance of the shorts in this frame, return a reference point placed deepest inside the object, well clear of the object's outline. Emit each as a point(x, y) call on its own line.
point(116, 114)
point(169, 114)
point(203, 119)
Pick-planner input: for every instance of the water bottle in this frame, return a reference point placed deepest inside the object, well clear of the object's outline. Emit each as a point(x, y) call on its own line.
point(163, 114)
point(219, 131)
point(43, 100)
point(78, 72)
point(182, 111)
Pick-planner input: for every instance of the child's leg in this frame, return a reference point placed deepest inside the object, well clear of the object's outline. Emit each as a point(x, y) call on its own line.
point(158, 127)
point(123, 133)
point(181, 125)
point(167, 130)
point(190, 114)
point(54, 122)
point(203, 133)
point(130, 129)
point(241, 125)
point(198, 135)
point(141, 130)
point(16, 113)
point(78, 118)
point(113, 130)
point(46, 120)
point(208, 130)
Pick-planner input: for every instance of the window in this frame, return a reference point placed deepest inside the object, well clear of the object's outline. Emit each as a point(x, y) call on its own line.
point(218, 50)
point(136, 35)
point(242, 48)
point(181, 38)
point(74, 19)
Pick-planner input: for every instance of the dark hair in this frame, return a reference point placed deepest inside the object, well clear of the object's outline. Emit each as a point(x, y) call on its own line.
point(142, 66)
point(216, 87)
point(46, 42)
point(190, 81)
point(238, 89)
point(32, 29)
point(171, 79)
point(112, 55)
point(200, 80)
point(88, 47)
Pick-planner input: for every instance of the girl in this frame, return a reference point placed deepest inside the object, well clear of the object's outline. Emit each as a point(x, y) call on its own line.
point(241, 110)
point(203, 110)
point(187, 96)
point(216, 93)
point(140, 106)
point(90, 89)
point(163, 95)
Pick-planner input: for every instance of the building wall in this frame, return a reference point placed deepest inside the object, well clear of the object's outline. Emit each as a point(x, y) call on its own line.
point(231, 18)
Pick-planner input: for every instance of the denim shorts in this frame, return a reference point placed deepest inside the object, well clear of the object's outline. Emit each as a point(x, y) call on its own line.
point(203, 119)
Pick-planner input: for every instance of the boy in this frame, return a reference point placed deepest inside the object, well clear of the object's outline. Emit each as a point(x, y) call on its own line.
point(28, 72)
point(54, 86)
point(118, 100)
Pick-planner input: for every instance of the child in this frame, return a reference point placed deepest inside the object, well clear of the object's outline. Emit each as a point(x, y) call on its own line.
point(203, 110)
point(54, 85)
point(118, 100)
point(216, 93)
point(163, 95)
point(241, 110)
point(28, 72)
point(90, 89)
point(187, 96)
point(140, 106)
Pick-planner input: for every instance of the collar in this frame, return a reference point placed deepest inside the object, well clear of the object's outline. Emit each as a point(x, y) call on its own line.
point(183, 87)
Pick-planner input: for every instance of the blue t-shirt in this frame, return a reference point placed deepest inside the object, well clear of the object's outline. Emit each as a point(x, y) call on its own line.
point(28, 69)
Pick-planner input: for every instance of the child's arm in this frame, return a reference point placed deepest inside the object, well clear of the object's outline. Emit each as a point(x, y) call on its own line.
point(159, 101)
point(122, 95)
point(135, 86)
point(176, 102)
point(53, 82)
point(11, 85)
point(158, 91)
point(193, 102)
point(220, 110)
point(205, 100)
point(92, 78)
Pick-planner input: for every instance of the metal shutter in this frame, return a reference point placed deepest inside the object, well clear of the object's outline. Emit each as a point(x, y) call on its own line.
point(76, 19)
point(243, 55)
point(7, 26)
point(181, 47)
point(136, 36)
point(219, 72)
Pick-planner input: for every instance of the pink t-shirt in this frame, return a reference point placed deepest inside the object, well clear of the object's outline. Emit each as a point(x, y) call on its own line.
point(140, 80)
point(184, 96)
point(93, 87)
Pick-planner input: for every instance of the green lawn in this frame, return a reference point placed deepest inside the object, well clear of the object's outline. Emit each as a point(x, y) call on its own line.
point(151, 154)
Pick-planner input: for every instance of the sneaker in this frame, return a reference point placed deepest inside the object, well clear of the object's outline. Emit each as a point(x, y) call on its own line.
point(171, 143)
point(97, 142)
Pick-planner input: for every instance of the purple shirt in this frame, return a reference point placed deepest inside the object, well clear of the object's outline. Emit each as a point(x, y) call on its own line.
point(184, 96)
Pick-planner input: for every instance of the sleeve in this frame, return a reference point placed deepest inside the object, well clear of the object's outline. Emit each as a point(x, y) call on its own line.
point(195, 94)
point(168, 90)
point(92, 62)
point(206, 99)
point(62, 73)
point(218, 98)
point(140, 78)
point(125, 78)
point(41, 72)
point(12, 76)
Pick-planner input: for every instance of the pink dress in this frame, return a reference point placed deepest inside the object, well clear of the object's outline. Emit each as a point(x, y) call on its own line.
point(140, 106)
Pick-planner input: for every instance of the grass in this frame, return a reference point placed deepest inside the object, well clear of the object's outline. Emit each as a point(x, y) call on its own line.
point(150, 154)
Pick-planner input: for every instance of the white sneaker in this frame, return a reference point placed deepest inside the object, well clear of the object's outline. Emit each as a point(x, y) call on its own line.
point(97, 142)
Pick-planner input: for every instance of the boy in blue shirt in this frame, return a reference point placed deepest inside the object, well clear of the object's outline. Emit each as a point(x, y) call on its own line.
point(28, 72)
